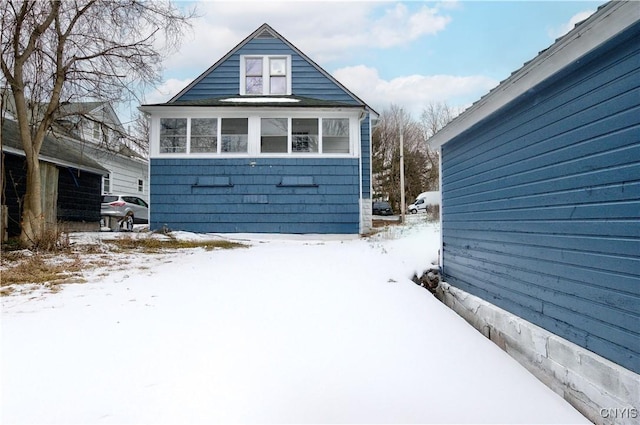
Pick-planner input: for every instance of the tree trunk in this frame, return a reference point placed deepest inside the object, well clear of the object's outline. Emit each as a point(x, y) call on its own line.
point(32, 218)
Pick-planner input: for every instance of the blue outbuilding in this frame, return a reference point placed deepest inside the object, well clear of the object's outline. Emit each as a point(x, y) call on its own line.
point(264, 141)
point(540, 184)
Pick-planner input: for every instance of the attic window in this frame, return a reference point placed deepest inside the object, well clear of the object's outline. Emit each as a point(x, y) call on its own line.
point(265, 75)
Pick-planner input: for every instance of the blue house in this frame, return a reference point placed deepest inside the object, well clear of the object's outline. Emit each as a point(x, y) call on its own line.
point(540, 185)
point(264, 140)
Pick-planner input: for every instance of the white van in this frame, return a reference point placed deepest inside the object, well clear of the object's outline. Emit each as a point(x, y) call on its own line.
point(423, 201)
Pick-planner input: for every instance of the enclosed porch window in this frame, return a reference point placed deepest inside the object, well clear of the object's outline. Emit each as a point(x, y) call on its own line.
point(173, 135)
point(235, 134)
point(254, 135)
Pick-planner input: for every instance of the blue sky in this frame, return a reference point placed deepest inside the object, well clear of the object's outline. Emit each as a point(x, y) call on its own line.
point(408, 53)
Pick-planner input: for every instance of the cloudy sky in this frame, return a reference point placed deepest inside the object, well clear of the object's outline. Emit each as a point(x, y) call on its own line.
point(408, 53)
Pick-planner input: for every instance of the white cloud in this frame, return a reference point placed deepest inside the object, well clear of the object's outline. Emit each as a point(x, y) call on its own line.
point(565, 28)
point(324, 30)
point(449, 4)
point(398, 25)
point(413, 92)
point(328, 31)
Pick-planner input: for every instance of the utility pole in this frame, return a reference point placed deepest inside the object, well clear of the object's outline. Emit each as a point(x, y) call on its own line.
point(402, 166)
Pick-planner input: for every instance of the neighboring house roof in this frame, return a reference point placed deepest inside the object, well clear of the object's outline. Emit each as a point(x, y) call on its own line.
point(92, 110)
point(68, 129)
point(55, 150)
point(266, 31)
point(610, 19)
point(75, 108)
point(126, 151)
point(61, 132)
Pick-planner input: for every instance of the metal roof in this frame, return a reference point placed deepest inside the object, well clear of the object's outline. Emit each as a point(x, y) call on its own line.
point(610, 19)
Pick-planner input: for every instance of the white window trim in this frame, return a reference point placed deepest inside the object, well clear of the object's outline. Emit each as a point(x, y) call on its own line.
point(156, 136)
point(266, 73)
point(254, 134)
point(107, 177)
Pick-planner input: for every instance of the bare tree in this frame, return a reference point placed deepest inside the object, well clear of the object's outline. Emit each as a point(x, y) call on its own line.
point(433, 118)
point(63, 51)
point(386, 156)
point(140, 137)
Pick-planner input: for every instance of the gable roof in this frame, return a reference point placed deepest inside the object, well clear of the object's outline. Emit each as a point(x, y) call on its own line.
point(91, 109)
point(79, 108)
point(266, 31)
point(610, 20)
point(54, 150)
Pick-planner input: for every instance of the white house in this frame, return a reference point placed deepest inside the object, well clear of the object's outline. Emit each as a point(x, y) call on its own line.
point(105, 140)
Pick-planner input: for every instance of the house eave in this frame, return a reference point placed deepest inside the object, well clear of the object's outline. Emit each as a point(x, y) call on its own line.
point(58, 161)
point(245, 109)
point(610, 20)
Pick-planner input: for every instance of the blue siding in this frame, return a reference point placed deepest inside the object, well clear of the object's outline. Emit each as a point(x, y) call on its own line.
point(307, 81)
point(365, 146)
point(541, 204)
point(255, 198)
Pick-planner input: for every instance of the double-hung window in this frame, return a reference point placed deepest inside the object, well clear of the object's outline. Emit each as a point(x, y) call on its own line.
point(254, 80)
point(106, 183)
point(304, 135)
point(335, 135)
point(234, 135)
point(265, 75)
point(204, 135)
point(274, 135)
point(173, 135)
point(277, 76)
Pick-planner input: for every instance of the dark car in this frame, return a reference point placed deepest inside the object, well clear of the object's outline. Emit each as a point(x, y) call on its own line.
point(382, 208)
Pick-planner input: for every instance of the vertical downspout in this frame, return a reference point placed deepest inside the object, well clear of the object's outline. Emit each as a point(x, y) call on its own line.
point(441, 253)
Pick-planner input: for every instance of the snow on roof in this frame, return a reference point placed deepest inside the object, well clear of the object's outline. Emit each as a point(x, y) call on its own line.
point(260, 100)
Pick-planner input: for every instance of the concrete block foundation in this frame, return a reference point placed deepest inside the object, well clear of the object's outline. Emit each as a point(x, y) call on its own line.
point(601, 390)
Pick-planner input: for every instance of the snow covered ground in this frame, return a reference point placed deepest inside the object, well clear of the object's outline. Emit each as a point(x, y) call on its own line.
point(306, 329)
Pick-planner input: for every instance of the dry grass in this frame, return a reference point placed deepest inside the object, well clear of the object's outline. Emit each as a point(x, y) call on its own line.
point(384, 223)
point(36, 269)
point(155, 245)
point(68, 262)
